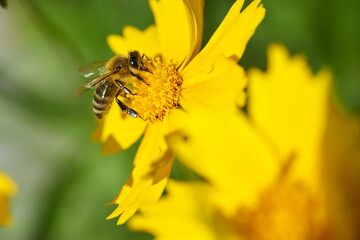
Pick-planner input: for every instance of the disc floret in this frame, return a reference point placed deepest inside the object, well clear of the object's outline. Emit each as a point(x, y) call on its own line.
point(158, 92)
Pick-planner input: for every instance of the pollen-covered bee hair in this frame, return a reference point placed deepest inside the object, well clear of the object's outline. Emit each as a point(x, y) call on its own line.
point(111, 79)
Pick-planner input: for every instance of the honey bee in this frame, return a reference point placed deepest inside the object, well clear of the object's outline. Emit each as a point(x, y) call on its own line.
point(110, 79)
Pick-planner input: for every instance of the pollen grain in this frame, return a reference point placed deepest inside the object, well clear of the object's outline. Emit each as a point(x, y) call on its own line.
point(158, 92)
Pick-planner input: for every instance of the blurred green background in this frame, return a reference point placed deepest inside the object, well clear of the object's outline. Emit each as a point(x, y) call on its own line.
point(45, 143)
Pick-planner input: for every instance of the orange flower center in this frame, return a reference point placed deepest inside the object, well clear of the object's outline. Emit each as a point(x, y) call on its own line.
point(285, 212)
point(158, 93)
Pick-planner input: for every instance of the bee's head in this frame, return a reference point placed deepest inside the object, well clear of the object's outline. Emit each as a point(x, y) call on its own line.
point(135, 61)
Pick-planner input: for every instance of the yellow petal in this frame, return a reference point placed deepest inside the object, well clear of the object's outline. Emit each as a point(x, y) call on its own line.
point(196, 12)
point(289, 106)
point(217, 90)
point(230, 38)
point(118, 131)
point(179, 25)
point(7, 185)
point(181, 214)
point(152, 166)
point(227, 151)
point(175, 120)
point(7, 189)
point(134, 39)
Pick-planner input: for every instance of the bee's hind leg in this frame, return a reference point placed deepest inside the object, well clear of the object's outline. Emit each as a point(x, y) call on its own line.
point(124, 108)
point(126, 90)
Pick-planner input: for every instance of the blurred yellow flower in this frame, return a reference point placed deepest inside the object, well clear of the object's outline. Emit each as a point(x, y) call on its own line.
point(341, 151)
point(181, 75)
point(7, 190)
point(263, 171)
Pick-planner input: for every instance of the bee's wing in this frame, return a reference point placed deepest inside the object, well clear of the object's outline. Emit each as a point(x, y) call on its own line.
point(92, 83)
point(93, 69)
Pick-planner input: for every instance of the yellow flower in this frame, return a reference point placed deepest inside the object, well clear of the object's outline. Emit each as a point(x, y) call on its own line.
point(180, 76)
point(7, 189)
point(263, 171)
point(341, 153)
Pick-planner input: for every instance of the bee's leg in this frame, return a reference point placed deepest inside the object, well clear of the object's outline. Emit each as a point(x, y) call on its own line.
point(142, 64)
point(126, 90)
point(124, 108)
point(144, 55)
point(139, 78)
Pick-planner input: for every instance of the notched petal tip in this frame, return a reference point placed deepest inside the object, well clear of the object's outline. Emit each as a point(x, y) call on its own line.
point(231, 37)
point(8, 186)
point(118, 211)
point(146, 184)
point(116, 44)
point(145, 41)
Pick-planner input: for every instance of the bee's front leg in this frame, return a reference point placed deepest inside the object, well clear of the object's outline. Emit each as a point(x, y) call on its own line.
point(139, 78)
point(144, 55)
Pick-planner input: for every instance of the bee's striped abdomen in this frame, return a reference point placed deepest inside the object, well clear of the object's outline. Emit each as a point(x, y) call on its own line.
point(103, 97)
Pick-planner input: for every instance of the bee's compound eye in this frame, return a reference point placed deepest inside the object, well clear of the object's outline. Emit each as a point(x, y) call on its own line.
point(133, 63)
